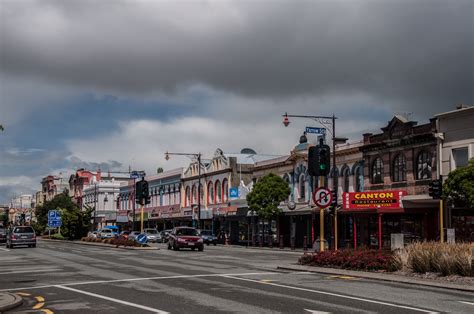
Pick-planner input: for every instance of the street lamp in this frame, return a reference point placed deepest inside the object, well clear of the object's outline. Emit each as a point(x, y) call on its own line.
point(198, 156)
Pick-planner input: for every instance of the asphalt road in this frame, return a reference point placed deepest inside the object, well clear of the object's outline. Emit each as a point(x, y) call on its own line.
point(68, 278)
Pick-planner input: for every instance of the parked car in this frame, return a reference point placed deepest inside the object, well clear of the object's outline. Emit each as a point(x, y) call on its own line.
point(185, 237)
point(106, 233)
point(152, 235)
point(3, 235)
point(115, 230)
point(93, 234)
point(21, 235)
point(165, 234)
point(133, 235)
point(124, 235)
point(208, 237)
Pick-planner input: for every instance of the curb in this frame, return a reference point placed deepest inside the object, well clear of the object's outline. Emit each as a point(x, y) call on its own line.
point(377, 276)
point(17, 301)
point(112, 246)
point(266, 249)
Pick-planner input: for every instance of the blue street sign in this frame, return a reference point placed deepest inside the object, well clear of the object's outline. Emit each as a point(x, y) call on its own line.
point(141, 238)
point(315, 130)
point(234, 192)
point(137, 174)
point(54, 219)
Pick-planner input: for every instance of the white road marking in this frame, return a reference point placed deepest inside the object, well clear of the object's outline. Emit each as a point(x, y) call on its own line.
point(4, 249)
point(331, 294)
point(136, 279)
point(114, 300)
point(316, 312)
point(31, 271)
point(465, 302)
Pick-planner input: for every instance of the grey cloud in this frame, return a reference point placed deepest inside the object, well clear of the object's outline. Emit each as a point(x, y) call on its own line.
point(111, 165)
point(405, 53)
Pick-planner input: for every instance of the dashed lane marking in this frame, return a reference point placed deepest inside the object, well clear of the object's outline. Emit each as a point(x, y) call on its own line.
point(38, 306)
point(114, 300)
point(39, 299)
point(47, 311)
point(31, 271)
point(333, 294)
point(316, 312)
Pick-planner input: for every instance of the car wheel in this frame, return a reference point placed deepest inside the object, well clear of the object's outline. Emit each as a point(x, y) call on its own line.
point(201, 249)
point(215, 243)
point(175, 247)
point(169, 246)
point(193, 249)
point(33, 245)
point(207, 243)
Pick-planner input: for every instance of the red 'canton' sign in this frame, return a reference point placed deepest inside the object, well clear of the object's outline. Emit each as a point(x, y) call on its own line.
point(390, 199)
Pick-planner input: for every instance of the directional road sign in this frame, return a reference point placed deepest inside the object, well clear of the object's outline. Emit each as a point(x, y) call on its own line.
point(315, 130)
point(322, 197)
point(141, 238)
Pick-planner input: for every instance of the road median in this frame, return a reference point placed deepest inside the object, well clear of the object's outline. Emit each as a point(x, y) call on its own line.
point(112, 246)
point(9, 301)
point(378, 276)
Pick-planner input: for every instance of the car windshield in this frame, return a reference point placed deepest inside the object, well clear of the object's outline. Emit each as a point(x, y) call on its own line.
point(187, 232)
point(206, 232)
point(23, 230)
point(107, 231)
point(151, 231)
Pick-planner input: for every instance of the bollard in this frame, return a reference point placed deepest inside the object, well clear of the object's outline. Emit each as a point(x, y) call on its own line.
point(260, 241)
point(253, 240)
point(281, 242)
point(305, 243)
point(292, 243)
point(270, 241)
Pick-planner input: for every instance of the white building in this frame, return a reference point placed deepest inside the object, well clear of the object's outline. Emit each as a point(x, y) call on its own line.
point(102, 196)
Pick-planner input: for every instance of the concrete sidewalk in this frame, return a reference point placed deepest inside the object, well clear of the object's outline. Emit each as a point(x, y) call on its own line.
point(9, 301)
point(379, 276)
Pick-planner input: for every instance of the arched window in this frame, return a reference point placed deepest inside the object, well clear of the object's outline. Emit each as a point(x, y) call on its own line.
point(423, 166)
point(201, 193)
point(345, 179)
point(302, 186)
point(377, 171)
point(225, 189)
point(218, 192)
point(359, 178)
point(210, 193)
point(334, 175)
point(399, 168)
point(194, 199)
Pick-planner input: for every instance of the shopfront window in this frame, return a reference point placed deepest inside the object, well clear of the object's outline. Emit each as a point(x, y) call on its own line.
point(399, 169)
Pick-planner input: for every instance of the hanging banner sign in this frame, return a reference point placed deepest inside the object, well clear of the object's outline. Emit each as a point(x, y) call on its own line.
point(386, 199)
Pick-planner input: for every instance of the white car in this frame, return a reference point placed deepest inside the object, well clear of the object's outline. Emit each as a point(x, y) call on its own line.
point(106, 233)
point(93, 234)
point(133, 235)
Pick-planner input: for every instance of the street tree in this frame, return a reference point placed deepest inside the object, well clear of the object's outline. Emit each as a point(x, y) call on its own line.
point(266, 196)
point(75, 222)
point(458, 189)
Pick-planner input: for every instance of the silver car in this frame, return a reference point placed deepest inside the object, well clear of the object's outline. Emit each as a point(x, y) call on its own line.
point(21, 235)
point(152, 235)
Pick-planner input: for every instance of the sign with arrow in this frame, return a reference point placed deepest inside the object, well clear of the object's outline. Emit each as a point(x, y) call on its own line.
point(322, 197)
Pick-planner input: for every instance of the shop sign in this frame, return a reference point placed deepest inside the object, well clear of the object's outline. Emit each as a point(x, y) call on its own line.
point(386, 199)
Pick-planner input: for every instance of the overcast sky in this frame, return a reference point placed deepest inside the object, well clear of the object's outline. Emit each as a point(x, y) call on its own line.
point(111, 84)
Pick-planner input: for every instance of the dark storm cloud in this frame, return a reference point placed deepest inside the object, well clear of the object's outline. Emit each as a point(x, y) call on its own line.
point(405, 53)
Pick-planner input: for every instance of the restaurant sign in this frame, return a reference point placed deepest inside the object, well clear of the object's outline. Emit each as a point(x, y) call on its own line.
point(386, 199)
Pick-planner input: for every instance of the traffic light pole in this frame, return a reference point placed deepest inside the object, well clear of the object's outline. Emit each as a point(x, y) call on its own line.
point(141, 217)
point(321, 221)
point(441, 221)
point(334, 177)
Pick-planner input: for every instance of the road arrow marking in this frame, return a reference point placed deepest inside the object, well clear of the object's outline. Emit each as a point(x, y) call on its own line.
point(465, 302)
point(317, 312)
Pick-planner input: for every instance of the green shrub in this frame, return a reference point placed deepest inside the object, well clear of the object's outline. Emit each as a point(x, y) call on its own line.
point(57, 236)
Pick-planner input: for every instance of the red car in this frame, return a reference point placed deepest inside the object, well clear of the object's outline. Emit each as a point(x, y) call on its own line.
point(185, 237)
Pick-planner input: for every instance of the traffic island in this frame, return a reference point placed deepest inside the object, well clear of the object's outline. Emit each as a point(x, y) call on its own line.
point(9, 301)
point(112, 246)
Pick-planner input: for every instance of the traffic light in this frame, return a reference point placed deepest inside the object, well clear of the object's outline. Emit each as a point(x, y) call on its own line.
point(319, 160)
point(141, 192)
point(435, 189)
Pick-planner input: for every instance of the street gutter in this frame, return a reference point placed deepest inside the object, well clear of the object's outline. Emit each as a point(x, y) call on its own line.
point(377, 276)
point(112, 246)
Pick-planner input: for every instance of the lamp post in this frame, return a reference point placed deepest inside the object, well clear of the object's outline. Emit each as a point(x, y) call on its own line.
point(198, 156)
point(320, 119)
